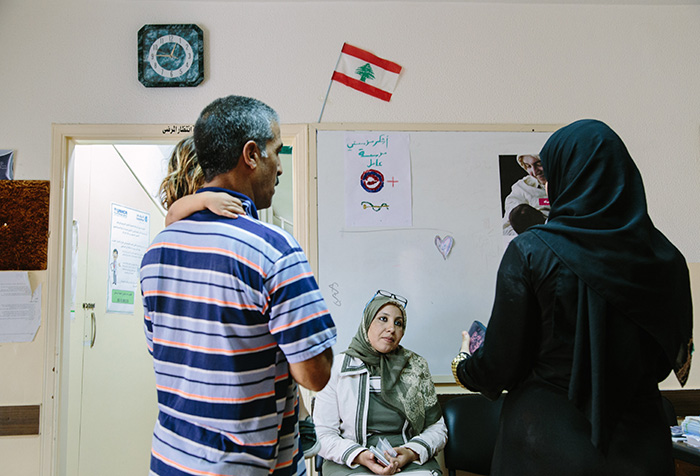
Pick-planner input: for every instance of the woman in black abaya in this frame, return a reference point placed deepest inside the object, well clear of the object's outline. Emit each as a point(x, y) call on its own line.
point(592, 310)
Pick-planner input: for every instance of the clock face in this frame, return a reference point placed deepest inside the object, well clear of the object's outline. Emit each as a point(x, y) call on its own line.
point(170, 55)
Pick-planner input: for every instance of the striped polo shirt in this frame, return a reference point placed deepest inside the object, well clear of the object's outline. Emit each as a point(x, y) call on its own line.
point(228, 303)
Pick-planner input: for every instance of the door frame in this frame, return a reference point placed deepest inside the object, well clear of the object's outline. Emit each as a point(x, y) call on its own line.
point(64, 139)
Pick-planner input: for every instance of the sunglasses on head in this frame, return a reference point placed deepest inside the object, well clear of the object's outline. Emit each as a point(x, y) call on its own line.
point(402, 300)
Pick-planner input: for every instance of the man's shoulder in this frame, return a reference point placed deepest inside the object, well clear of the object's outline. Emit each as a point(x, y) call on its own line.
point(275, 236)
point(208, 227)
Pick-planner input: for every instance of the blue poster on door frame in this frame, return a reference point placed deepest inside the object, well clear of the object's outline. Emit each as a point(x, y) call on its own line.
point(129, 238)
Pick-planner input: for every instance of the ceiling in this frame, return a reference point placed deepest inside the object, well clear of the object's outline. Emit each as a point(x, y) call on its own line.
point(534, 2)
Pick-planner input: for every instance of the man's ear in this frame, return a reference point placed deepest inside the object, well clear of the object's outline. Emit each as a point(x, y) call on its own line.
point(251, 154)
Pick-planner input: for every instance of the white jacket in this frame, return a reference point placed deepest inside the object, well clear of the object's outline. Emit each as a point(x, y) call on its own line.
point(340, 417)
point(526, 190)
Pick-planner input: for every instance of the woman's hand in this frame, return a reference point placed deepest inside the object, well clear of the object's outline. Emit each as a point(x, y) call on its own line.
point(223, 204)
point(367, 459)
point(405, 456)
point(465, 342)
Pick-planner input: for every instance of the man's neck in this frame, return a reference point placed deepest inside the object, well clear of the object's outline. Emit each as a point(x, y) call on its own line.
point(229, 182)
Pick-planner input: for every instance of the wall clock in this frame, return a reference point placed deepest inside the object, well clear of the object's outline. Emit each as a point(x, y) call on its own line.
point(170, 55)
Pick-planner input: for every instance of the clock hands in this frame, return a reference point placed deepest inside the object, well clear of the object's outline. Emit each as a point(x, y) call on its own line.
point(171, 55)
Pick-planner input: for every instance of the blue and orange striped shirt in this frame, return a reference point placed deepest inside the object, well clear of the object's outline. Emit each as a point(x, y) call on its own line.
point(228, 303)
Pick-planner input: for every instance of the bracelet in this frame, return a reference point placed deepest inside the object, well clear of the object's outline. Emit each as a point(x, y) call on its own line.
point(455, 362)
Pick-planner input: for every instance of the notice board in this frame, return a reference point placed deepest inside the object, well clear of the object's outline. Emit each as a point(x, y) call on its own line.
point(445, 262)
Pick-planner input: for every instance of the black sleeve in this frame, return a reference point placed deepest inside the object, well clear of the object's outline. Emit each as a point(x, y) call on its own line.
point(512, 333)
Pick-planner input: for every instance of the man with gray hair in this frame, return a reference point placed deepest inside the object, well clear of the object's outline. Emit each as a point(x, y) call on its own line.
point(233, 318)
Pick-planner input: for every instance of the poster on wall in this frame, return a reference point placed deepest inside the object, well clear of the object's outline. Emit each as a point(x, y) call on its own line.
point(128, 240)
point(524, 201)
point(20, 308)
point(377, 180)
point(6, 168)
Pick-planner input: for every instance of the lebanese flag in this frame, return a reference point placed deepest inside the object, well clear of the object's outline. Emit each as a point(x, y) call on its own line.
point(366, 72)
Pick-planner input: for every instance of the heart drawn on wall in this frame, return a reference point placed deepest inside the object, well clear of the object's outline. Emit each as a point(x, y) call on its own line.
point(444, 245)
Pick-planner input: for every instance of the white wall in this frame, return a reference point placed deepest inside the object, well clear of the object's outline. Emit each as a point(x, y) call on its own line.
point(633, 66)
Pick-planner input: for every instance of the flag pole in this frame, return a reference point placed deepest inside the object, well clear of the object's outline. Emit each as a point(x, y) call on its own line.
point(330, 83)
point(324, 101)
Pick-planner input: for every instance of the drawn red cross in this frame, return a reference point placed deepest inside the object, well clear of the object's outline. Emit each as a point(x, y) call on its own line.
point(393, 181)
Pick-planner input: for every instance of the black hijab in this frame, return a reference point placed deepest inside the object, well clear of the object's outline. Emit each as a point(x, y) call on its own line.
point(599, 227)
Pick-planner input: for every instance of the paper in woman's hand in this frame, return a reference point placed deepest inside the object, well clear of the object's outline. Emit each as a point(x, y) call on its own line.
point(379, 456)
point(476, 336)
point(382, 447)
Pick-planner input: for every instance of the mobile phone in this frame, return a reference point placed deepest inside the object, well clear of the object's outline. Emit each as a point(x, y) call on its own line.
point(477, 332)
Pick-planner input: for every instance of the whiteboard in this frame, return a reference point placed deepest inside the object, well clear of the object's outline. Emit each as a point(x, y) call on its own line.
point(455, 190)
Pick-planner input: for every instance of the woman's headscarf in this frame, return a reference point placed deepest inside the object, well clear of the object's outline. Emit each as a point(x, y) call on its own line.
point(406, 383)
point(599, 227)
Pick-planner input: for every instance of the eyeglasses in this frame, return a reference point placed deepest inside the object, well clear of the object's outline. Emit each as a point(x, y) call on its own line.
point(396, 297)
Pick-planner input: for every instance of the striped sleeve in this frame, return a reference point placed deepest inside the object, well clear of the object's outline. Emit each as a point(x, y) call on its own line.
point(299, 318)
point(148, 328)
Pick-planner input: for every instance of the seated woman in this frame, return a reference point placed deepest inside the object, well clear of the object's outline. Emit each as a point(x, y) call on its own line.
point(379, 389)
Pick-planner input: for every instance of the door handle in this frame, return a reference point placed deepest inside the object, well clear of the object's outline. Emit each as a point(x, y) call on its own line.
point(93, 329)
point(90, 306)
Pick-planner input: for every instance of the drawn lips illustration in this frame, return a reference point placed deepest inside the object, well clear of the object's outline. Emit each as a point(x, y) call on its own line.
point(444, 245)
point(372, 181)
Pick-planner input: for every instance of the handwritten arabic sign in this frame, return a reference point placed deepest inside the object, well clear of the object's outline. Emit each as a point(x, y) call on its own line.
point(181, 129)
point(377, 180)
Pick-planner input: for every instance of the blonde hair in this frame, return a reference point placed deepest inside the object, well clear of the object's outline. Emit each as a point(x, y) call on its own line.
point(185, 175)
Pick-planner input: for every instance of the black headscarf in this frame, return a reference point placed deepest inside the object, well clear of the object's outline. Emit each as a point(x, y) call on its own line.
point(599, 227)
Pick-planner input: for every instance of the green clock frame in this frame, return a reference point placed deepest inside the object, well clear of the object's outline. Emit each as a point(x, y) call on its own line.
point(170, 55)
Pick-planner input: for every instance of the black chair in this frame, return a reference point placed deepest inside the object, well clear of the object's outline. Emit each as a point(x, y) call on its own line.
point(318, 465)
point(472, 428)
point(669, 411)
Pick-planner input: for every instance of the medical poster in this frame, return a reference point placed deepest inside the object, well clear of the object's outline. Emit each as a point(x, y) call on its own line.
point(20, 308)
point(129, 238)
point(377, 180)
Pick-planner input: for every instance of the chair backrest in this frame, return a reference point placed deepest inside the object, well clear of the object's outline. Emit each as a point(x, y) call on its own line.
point(318, 465)
point(669, 411)
point(472, 428)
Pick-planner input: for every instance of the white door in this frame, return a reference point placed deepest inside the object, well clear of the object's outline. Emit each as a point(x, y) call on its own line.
point(111, 387)
point(112, 397)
